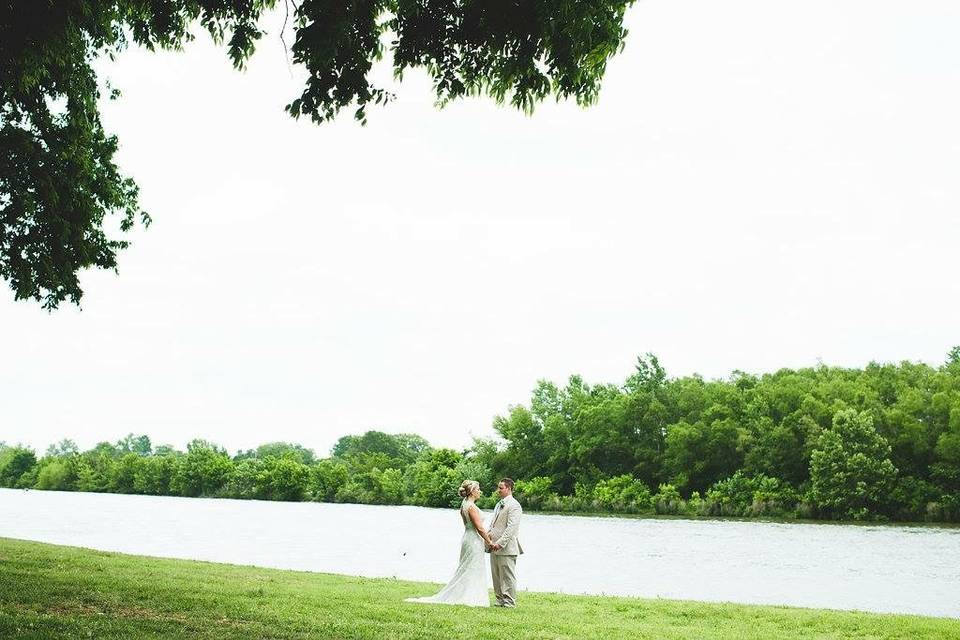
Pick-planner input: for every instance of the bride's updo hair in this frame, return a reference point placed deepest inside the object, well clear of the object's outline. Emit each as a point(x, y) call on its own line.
point(467, 488)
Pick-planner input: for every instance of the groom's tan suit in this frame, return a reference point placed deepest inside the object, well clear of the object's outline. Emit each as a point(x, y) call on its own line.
point(504, 530)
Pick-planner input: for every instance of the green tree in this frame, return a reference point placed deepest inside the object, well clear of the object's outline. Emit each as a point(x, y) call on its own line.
point(850, 470)
point(525, 452)
point(125, 472)
point(738, 494)
point(667, 499)
point(700, 453)
point(139, 445)
point(203, 471)
point(953, 356)
point(281, 449)
point(605, 440)
point(398, 450)
point(56, 475)
point(946, 468)
point(534, 492)
point(326, 478)
point(63, 448)
point(243, 481)
point(95, 468)
point(386, 486)
point(15, 462)
point(60, 186)
point(474, 467)
point(432, 481)
point(780, 449)
point(747, 439)
point(153, 474)
point(622, 493)
point(650, 376)
point(283, 478)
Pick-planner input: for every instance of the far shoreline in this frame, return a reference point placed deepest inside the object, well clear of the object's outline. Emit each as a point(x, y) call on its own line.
point(572, 514)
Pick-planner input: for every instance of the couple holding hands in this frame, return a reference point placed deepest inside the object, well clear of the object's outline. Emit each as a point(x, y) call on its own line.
point(500, 539)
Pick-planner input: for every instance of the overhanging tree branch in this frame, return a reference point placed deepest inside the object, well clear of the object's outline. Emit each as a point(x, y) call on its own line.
point(59, 184)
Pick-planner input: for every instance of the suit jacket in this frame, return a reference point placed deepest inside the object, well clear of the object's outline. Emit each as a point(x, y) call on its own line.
point(504, 527)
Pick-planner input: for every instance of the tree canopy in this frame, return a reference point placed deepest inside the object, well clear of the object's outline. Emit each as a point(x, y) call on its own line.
point(877, 443)
point(59, 184)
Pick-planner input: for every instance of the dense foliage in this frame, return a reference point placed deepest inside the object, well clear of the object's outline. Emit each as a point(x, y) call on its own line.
point(59, 185)
point(882, 442)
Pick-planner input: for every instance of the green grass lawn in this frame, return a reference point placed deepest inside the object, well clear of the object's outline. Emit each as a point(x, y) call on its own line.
point(49, 591)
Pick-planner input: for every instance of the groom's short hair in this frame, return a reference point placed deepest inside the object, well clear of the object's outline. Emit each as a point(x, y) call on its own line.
point(508, 482)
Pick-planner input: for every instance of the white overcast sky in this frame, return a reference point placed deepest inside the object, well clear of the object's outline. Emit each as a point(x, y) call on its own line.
point(762, 185)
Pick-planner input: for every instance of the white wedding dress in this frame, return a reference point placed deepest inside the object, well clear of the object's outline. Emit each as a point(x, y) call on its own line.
point(469, 584)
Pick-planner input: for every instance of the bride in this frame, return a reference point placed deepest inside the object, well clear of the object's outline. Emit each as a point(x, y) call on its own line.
point(469, 584)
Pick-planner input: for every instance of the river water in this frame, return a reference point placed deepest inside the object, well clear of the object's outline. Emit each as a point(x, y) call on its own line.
point(870, 568)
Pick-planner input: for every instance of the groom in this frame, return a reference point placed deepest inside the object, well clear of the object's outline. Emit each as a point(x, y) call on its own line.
point(504, 529)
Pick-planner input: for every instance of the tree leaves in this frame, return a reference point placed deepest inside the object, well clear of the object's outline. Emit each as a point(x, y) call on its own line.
point(59, 184)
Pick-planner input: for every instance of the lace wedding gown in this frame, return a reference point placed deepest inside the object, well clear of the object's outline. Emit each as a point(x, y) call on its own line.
point(469, 584)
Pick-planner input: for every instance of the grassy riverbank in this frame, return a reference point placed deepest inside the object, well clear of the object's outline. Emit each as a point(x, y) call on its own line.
point(50, 591)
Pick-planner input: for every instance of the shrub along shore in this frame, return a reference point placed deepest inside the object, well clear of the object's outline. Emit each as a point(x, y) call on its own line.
point(881, 443)
point(50, 592)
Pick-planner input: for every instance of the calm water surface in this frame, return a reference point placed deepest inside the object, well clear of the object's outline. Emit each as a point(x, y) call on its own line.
point(872, 568)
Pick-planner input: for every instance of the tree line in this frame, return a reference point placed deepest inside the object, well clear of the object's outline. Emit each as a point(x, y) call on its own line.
point(877, 443)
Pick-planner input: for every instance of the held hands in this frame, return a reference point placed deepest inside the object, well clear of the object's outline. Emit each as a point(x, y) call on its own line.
point(491, 545)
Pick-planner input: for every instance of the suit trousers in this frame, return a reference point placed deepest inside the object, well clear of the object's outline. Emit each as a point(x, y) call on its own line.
point(504, 571)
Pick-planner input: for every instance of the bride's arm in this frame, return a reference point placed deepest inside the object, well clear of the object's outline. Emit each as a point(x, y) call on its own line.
point(478, 523)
